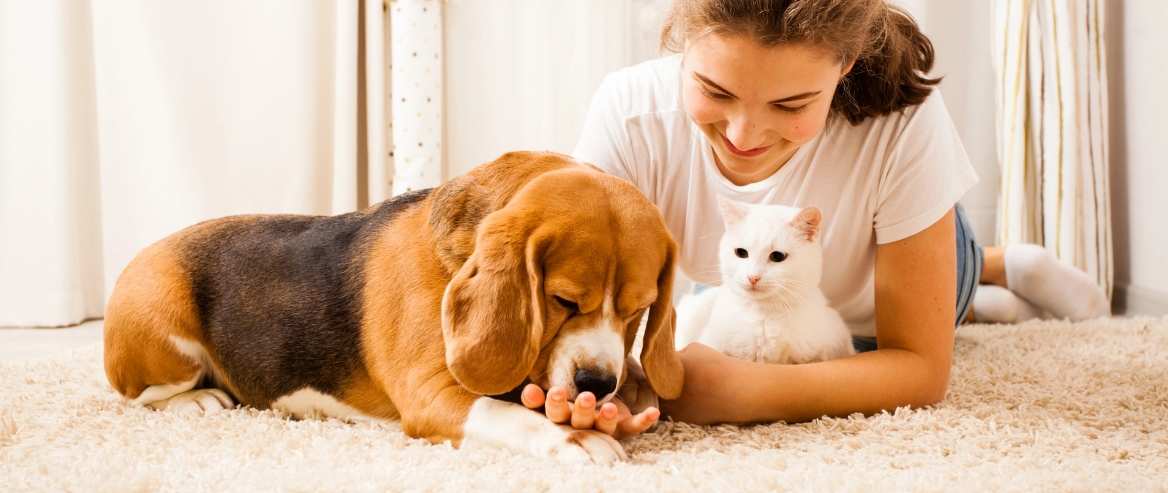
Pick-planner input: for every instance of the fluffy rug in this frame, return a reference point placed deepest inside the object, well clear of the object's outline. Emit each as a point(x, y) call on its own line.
point(1048, 406)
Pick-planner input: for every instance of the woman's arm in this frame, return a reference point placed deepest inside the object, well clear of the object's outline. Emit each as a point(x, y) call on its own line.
point(916, 298)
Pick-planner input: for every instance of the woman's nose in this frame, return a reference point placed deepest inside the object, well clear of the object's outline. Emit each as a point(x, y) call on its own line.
point(744, 133)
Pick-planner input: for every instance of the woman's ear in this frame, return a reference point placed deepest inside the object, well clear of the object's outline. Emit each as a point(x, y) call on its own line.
point(493, 309)
point(658, 355)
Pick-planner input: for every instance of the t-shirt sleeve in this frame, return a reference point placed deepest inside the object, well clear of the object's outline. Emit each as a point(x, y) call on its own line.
point(925, 173)
point(604, 142)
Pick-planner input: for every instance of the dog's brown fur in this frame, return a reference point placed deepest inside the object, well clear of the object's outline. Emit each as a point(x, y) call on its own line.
point(453, 294)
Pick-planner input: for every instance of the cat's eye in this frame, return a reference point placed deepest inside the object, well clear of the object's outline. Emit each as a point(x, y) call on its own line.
point(778, 256)
point(571, 306)
point(741, 252)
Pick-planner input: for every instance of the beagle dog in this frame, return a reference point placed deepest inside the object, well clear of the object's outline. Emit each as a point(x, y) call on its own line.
point(534, 267)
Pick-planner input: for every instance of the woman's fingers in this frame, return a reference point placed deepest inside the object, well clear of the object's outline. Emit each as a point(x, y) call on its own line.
point(636, 425)
point(612, 418)
point(607, 419)
point(584, 411)
point(557, 407)
point(532, 396)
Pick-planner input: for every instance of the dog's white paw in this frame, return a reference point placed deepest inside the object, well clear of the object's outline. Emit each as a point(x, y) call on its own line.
point(584, 446)
point(205, 401)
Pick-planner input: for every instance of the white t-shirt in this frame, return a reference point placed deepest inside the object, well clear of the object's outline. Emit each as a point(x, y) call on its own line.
point(878, 182)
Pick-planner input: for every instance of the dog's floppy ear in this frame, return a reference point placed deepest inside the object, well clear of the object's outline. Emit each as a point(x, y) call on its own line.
point(493, 309)
point(658, 356)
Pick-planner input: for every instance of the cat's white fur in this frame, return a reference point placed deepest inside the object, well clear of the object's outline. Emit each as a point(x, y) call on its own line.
point(781, 317)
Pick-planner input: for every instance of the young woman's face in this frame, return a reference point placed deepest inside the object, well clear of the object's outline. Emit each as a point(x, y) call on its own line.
point(757, 104)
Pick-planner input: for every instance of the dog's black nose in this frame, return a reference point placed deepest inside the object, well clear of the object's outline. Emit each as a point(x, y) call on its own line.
point(599, 385)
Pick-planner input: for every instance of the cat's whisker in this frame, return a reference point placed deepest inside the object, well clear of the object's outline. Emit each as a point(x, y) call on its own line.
point(783, 300)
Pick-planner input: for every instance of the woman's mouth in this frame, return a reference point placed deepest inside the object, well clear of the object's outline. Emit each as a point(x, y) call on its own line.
point(737, 152)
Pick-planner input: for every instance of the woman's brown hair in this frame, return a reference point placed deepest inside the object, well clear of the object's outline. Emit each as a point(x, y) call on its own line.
point(892, 56)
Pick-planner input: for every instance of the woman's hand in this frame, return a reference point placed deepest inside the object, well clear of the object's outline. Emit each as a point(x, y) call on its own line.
point(613, 418)
point(711, 393)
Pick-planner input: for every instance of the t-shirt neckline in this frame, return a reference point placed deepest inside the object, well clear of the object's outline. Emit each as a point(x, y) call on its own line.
point(767, 183)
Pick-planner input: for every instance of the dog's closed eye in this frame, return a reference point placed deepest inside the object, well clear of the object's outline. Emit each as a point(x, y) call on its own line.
point(571, 306)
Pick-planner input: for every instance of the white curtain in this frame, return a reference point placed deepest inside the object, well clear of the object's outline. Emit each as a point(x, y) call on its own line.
point(124, 121)
point(1050, 66)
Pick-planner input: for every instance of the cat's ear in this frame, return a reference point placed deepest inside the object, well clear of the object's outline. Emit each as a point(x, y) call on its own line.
point(807, 222)
point(732, 212)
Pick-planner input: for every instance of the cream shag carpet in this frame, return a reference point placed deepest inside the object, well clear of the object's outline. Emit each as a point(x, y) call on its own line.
point(1041, 406)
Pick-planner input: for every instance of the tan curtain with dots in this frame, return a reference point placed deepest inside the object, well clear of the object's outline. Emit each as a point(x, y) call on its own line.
point(416, 29)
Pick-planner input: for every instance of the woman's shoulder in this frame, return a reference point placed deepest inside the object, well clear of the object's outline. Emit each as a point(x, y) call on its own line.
point(646, 88)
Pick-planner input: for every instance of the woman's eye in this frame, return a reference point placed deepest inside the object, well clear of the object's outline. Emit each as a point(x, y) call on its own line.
point(778, 256)
point(571, 306)
point(712, 94)
point(741, 252)
point(788, 109)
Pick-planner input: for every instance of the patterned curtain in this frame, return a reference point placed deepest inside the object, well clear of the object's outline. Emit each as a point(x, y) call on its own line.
point(416, 93)
point(1050, 67)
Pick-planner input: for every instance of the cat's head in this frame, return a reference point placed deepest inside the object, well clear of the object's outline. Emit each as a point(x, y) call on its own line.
point(770, 250)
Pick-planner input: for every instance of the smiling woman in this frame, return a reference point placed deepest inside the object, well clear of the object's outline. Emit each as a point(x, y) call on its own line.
point(755, 104)
point(824, 103)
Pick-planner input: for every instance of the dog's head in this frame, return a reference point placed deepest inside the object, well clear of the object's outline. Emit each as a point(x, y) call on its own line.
point(556, 288)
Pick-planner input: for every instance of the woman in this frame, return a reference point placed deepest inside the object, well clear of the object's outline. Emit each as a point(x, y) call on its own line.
point(825, 103)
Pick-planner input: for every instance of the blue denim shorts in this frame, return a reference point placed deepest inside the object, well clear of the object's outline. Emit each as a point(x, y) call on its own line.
point(970, 257)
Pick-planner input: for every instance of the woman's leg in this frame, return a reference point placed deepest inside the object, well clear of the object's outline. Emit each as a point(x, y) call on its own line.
point(993, 269)
point(1033, 273)
point(970, 265)
point(1037, 283)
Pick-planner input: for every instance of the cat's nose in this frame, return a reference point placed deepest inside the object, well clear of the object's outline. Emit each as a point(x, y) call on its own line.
point(753, 279)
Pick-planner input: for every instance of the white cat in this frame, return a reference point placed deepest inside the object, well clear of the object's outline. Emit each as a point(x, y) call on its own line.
point(769, 308)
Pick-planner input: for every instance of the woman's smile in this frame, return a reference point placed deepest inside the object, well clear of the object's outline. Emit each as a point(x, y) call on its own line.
point(738, 152)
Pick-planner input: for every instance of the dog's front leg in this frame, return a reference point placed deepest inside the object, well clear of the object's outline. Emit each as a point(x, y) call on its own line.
point(512, 426)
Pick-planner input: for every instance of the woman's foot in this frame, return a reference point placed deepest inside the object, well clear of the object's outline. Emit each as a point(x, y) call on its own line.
point(1066, 292)
point(995, 304)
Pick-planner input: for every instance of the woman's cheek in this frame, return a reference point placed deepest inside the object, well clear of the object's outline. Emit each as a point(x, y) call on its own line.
point(701, 109)
point(803, 127)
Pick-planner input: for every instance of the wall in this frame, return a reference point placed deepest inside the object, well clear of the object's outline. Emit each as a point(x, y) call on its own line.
point(520, 73)
point(1137, 69)
point(960, 31)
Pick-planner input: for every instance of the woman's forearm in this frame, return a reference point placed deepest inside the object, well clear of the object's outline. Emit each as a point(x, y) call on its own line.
point(721, 389)
point(866, 383)
point(915, 312)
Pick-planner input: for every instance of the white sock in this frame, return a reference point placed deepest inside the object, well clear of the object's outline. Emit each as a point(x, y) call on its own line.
point(1066, 292)
point(995, 304)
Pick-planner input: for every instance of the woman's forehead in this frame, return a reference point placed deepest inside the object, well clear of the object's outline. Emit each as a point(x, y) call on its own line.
point(739, 64)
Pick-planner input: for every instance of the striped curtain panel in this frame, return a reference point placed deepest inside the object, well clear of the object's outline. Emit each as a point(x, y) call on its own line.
point(1050, 68)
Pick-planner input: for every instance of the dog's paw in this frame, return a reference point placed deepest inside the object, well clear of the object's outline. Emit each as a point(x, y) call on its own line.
point(585, 446)
point(204, 401)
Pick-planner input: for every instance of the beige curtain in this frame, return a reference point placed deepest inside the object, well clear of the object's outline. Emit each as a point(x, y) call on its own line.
point(1050, 67)
point(122, 121)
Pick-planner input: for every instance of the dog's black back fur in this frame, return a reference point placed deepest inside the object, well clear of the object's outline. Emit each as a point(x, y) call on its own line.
point(279, 297)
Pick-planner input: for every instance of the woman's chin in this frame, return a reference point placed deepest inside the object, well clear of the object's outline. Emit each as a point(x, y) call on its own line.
point(745, 167)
